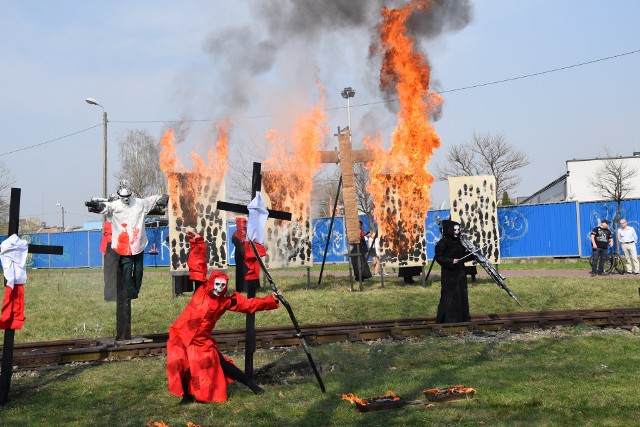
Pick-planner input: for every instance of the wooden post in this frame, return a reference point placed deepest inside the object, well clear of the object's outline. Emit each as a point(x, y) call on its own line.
point(250, 334)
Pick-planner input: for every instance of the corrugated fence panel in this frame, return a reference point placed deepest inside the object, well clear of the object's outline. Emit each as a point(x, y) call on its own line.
point(538, 230)
point(38, 260)
point(432, 229)
point(93, 242)
point(556, 229)
point(337, 250)
point(157, 251)
point(592, 213)
point(75, 250)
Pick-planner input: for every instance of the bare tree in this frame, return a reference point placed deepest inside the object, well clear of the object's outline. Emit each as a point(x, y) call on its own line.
point(140, 163)
point(613, 180)
point(6, 181)
point(363, 198)
point(486, 154)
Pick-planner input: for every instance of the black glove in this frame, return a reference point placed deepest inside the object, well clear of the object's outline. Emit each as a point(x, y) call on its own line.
point(163, 201)
point(94, 206)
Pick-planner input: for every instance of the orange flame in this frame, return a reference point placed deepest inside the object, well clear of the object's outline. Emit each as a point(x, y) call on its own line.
point(458, 389)
point(185, 186)
point(414, 140)
point(353, 398)
point(294, 160)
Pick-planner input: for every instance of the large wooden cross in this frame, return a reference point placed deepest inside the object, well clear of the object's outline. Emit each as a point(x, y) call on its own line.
point(9, 334)
point(346, 156)
point(250, 337)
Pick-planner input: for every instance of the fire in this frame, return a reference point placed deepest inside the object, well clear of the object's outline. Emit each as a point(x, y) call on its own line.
point(455, 390)
point(293, 160)
point(152, 423)
point(353, 398)
point(414, 139)
point(185, 186)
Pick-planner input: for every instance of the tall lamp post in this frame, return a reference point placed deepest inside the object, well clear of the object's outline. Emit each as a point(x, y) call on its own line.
point(62, 209)
point(104, 145)
point(347, 93)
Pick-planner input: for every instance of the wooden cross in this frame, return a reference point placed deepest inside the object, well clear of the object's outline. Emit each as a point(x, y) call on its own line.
point(250, 337)
point(347, 157)
point(9, 334)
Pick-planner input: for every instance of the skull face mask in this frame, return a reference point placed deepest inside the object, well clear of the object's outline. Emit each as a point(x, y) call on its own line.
point(124, 193)
point(219, 286)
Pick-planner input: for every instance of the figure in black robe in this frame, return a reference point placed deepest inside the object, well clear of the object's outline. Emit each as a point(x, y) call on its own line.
point(454, 297)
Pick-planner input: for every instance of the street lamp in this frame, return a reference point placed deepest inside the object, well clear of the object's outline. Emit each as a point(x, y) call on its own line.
point(347, 93)
point(62, 209)
point(104, 145)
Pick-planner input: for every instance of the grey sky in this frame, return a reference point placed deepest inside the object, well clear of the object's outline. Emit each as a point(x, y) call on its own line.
point(150, 62)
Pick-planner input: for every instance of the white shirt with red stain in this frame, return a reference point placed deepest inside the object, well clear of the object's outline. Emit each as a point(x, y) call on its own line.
point(127, 221)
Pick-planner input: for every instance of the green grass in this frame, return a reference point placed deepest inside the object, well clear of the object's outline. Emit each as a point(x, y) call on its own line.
point(584, 377)
point(577, 376)
point(69, 304)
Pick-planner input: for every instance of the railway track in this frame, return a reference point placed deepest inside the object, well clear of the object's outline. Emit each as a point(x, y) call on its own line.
point(30, 355)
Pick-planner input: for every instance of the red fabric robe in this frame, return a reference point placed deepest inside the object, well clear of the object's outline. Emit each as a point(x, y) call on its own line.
point(192, 352)
point(12, 316)
point(250, 260)
point(197, 261)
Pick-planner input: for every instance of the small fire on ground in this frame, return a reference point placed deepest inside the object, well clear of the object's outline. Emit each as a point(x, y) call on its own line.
point(448, 393)
point(353, 398)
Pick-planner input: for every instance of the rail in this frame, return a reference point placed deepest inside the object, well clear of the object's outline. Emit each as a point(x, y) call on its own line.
point(48, 353)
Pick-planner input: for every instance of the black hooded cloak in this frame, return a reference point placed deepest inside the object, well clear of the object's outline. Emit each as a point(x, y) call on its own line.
point(454, 298)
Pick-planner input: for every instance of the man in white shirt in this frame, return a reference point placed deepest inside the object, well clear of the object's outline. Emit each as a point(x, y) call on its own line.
point(627, 237)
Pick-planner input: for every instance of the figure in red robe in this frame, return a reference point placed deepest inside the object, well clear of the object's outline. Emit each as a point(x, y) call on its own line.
point(196, 369)
point(238, 239)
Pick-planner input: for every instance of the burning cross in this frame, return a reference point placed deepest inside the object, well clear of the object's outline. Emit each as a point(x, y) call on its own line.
point(250, 338)
point(9, 334)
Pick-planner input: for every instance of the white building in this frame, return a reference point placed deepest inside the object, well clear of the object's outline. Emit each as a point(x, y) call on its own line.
point(575, 184)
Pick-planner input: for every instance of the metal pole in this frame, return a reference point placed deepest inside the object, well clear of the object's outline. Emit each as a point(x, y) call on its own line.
point(349, 116)
point(104, 147)
point(333, 215)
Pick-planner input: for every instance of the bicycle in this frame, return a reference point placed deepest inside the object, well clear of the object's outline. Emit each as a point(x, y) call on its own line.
point(613, 261)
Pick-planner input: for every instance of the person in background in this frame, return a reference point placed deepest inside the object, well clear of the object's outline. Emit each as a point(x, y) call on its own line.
point(601, 240)
point(373, 246)
point(196, 370)
point(627, 237)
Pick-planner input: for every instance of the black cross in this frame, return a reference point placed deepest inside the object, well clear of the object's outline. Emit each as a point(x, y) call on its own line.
point(250, 337)
point(9, 334)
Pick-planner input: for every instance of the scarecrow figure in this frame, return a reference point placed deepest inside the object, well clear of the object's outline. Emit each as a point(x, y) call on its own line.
point(129, 237)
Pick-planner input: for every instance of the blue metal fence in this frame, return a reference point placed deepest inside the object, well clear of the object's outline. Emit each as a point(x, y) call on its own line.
point(592, 213)
point(549, 230)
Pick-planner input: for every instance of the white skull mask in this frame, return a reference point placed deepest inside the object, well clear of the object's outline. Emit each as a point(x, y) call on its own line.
point(219, 286)
point(124, 193)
